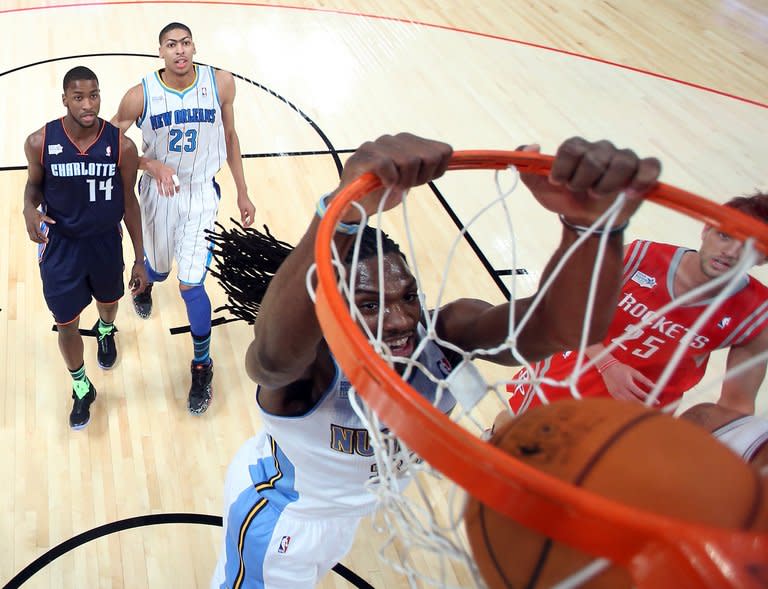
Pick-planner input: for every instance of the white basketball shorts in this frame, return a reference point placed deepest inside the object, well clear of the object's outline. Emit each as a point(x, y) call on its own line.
point(264, 547)
point(174, 228)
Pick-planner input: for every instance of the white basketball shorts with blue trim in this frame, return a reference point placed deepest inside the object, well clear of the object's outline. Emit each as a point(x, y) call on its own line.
point(266, 548)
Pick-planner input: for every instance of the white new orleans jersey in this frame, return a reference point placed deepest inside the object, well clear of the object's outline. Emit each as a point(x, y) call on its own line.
point(183, 128)
point(325, 458)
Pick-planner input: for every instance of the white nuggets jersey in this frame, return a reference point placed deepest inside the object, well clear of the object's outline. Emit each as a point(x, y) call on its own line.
point(321, 461)
point(183, 128)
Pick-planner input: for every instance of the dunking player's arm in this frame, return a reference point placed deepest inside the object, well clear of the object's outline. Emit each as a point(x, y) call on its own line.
point(740, 391)
point(225, 84)
point(288, 345)
point(600, 171)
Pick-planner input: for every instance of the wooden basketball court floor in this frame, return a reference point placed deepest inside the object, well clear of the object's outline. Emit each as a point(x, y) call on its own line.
point(685, 81)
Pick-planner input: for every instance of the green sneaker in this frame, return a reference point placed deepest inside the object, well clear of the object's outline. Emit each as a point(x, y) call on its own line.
point(106, 353)
point(81, 408)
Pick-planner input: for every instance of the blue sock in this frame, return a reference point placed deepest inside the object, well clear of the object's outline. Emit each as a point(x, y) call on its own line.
point(202, 346)
point(199, 314)
point(152, 274)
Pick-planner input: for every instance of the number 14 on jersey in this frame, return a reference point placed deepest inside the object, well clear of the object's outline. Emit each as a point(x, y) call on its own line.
point(104, 186)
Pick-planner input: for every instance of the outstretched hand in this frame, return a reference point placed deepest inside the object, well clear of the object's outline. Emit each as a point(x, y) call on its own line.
point(400, 162)
point(586, 177)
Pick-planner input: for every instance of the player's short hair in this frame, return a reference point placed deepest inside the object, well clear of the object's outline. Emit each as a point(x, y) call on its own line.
point(755, 205)
point(78, 73)
point(170, 27)
point(369, 246)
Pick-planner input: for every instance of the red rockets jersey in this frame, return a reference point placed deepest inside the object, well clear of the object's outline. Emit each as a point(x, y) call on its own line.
point(653, 337)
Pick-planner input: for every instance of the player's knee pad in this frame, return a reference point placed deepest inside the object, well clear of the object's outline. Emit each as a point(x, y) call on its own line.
point(198, 309)
point(152, 274)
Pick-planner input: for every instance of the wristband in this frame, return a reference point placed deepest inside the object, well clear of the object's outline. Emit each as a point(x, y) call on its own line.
point(605, 365)
point(581, 229)
point(346, 228)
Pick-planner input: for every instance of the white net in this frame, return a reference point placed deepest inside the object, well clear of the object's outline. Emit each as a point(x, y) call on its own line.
point(420, 513)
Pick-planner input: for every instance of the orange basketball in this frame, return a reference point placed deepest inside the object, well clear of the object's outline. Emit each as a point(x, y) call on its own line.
point(622, 451)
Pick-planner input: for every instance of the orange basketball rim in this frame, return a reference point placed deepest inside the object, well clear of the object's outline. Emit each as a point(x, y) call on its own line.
point(659, 552)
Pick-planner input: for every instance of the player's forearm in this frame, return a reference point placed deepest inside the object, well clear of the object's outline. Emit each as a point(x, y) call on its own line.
point(235, 162)
point(286, 332)
point(148, 165)
point(132, 220)
point(739, 403)
point(33, 195)
point(565, 302)
point(739, 392)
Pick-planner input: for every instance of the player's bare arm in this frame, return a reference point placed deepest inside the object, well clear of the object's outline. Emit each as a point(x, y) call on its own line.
point(33, 190)
point(739, 392)
point(621, 380)
point(225, 83)
point(130, 110)
point(129, 161)
point(287, 337)
point(585, 179)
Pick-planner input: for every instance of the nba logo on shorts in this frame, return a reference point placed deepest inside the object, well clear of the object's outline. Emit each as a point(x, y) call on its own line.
point(284, 541)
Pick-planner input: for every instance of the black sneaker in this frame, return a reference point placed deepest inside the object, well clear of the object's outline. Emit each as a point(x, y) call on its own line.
point(106, 353)
point(81, 408)
point(201, 391)
point(143, 303)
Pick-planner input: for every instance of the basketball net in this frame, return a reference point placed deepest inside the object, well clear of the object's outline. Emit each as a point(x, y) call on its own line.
point(424, 537)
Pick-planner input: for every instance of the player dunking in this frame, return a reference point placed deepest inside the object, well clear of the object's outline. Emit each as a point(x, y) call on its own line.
point(654, 275)
point(185, 113)
point(295, 494)
point(82, 171)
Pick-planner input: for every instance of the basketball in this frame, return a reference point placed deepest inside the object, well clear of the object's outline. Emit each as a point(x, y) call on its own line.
point(624, 452)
